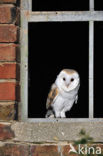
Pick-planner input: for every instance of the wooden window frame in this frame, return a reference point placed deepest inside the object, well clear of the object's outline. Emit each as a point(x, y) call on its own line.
point(27, 15)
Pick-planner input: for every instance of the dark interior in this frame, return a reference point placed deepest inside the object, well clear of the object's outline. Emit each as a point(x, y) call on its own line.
point(60, 5)
point(98, 71)
point(54, 46)
point(98, 4)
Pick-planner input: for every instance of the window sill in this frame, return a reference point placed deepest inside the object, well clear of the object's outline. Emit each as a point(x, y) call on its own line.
point(40, 132)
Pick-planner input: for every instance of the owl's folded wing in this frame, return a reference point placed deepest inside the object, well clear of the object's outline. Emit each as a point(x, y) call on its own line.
point(52, 96)
point(76, 98)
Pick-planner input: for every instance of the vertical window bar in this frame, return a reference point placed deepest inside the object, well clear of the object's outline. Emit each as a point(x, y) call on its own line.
point(91, 51)
point(91, 63)
point(91, 5)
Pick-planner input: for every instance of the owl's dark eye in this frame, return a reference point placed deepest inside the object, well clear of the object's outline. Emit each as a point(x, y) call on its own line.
point(72, 79)
point(64, 79)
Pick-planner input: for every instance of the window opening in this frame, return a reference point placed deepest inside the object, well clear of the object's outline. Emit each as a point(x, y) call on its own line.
point(98, 5)
point(60, 45)
point(60, 5)
point(98, 76)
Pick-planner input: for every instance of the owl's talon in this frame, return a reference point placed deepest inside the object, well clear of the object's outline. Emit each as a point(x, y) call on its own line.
point(51, 116)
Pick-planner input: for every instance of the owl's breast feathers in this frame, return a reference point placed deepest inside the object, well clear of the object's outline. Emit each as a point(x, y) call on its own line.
point(52, 95)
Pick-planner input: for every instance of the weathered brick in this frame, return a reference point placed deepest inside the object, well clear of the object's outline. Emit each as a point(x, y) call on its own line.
point(8, 1)
point(8, 52)
point(7, 13)
point(6, 132)
point(8, 33)
point(7, 70)
point(14, 150)
point(7, 110)
point(66, 149)
point(7, 90)
point(46, 150)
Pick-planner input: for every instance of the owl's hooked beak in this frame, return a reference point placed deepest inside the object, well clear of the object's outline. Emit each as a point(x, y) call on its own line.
point(67, 85)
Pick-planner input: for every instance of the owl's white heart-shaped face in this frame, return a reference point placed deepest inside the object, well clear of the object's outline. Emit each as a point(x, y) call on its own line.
point(68, 80)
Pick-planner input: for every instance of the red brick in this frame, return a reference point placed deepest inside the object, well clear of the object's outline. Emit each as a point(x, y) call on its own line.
point(8, 52)
point(99, 145)
point(7, 110)
point(7, 91)
point(6, 132)
point(66, 149)
point(8, 33)
point(46, 150)
point(7, 1)
point(14, 150)
point(46, 154)
point(7, 70)
point(7, 13)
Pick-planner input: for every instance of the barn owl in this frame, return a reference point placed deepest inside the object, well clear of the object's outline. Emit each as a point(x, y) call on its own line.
point(63, 93)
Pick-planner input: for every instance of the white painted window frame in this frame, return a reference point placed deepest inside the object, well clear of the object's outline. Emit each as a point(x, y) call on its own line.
point(28, 16)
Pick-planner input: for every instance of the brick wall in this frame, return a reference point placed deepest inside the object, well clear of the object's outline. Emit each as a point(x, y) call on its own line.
point(9, 54)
